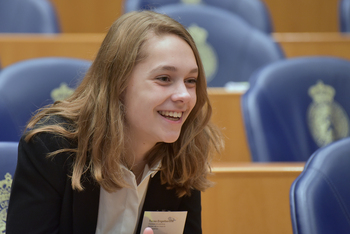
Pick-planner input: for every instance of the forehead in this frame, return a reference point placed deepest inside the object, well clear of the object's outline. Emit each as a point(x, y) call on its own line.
point(169, 48)
point(153, 40)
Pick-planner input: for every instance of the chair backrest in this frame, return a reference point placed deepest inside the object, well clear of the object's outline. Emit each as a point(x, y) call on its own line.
point(320, 196)
point(255, 12)
point(8, 161)
point(28, 16)
point(228, 53)
point(344, 15)
point(295, 106)
point(31, 84)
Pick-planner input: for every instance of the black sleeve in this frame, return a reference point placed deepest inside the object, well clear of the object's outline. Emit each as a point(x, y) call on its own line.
point(192, 204)
point(38, 186)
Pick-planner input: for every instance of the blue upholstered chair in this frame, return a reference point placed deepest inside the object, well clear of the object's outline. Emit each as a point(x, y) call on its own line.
point(255, 12)
point(344, 15)
point(28, 16)
point(31, 84)
point(8, 161)
point(229, 53)
point(295, 106)
point(320, 196)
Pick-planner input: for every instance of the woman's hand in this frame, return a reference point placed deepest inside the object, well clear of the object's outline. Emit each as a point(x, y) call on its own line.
point(148, 230)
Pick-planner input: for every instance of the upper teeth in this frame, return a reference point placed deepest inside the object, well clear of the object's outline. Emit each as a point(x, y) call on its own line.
point(171, 113)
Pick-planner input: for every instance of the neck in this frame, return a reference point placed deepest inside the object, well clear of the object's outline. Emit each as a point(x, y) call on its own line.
point(138, 170)
point(136, 150)
point(135, 158)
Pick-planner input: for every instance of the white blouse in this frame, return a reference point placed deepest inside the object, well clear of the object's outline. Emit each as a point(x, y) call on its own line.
point(119, 211)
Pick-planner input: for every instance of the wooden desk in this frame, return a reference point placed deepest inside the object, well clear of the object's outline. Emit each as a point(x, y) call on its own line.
point(93, 16)
point(14, 48)
point(228, 116)
point(249, 198)
point(314, 44)
point(304, 15)
point(87, 16)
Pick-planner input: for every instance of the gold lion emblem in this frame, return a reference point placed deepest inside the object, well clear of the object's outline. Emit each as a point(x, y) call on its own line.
point(61, 92)
point(191, 1)
point(5, 190)
point(327, 120)
point(206, 51)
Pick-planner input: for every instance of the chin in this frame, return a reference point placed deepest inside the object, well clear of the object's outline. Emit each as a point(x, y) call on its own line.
point(171, 139)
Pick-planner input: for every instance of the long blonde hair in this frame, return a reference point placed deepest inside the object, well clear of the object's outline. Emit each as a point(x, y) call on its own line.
point(96, 115)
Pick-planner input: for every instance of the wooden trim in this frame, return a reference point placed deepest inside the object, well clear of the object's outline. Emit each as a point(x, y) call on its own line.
point(249, 198)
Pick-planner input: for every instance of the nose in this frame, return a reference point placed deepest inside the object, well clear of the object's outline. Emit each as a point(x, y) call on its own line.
point(181, 93)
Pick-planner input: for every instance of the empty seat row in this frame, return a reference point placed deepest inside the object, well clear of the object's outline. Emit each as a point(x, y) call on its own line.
point(40, 16)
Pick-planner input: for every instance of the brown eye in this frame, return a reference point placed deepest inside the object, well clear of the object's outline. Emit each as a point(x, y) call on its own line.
point(191, 82)
point(163, 79)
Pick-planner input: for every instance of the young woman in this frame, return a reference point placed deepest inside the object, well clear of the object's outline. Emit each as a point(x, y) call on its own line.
point(134, 137)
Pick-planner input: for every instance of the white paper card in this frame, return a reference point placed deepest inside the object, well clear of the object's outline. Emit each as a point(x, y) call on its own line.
point(164, 222)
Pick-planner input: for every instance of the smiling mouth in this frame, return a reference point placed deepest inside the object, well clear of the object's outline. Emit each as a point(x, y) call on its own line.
point(171, 115)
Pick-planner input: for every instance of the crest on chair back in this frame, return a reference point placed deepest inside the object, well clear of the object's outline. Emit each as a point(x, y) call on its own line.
point(191, 1)
point(61, 92)
point(327, 119)
point(206, 51)
point(5, 189)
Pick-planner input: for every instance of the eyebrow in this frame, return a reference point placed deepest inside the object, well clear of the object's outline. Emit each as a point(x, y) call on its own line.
point(171, 68)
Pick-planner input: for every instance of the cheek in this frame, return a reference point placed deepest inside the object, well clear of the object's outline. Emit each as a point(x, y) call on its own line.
point(142, 107)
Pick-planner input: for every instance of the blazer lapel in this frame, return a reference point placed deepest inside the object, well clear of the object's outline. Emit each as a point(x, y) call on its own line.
point(158, 198)
point(85, 208)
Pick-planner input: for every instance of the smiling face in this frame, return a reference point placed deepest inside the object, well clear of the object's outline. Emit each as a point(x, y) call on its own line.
point(161, 91)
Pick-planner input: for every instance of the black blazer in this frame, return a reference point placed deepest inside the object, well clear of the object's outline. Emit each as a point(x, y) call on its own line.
point(43, 201)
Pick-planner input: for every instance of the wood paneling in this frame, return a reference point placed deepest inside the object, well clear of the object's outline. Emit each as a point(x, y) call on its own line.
point(14, 48)
point(249, 198)
point(92, 16)
point(87, 16)
point(314, 44)
point(304, 15)
point(228, 116)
